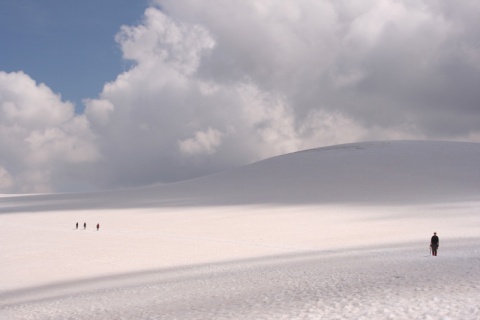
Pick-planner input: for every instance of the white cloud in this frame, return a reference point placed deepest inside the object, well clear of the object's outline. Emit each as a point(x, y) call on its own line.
point(203, 142)
point(166, 122)
point(160, 38)
point(26, 104)
point(362, 59)
point(99, 111)
point(6, 181)
point(40, 137)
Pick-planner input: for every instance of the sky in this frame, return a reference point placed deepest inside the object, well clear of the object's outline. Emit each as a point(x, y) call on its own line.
point(68, 45)
point(95, 96)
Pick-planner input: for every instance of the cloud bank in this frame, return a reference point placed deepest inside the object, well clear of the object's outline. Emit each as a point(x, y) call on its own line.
point(213, 86)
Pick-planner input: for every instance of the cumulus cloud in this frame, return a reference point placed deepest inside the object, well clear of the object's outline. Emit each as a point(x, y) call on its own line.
point(213, 86)
point(203, 142)
point(5, 179)
point(162, 121)
point(381, 63)
point(41, 140)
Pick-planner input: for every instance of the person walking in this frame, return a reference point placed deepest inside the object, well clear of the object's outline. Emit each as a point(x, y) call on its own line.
point(98, 226)
point(76, 226)
point(84, 225)
point(434, 244)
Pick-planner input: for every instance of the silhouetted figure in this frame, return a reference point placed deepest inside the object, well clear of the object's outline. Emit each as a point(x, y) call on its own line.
point(98, 226)
point(84, 225)
point(434, 244)
point(76, 226)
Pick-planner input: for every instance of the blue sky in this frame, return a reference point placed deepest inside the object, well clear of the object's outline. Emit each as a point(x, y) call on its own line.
point(67, 44)
point(167, 90)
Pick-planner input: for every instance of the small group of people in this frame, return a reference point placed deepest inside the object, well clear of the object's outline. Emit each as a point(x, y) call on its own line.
point(434, 244)
point(85, 226)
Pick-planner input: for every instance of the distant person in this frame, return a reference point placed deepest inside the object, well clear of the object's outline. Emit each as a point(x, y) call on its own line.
point(76, 226)
point(98, 226)
point(84, 225)
point(434, 244)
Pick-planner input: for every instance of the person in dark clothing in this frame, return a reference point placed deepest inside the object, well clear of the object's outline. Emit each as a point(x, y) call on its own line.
point(434, 244)
point(84, 225)
point(76, 226)
point(98, 226)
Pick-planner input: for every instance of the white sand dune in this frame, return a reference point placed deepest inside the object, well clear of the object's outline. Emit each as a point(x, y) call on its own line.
point(331, 233)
